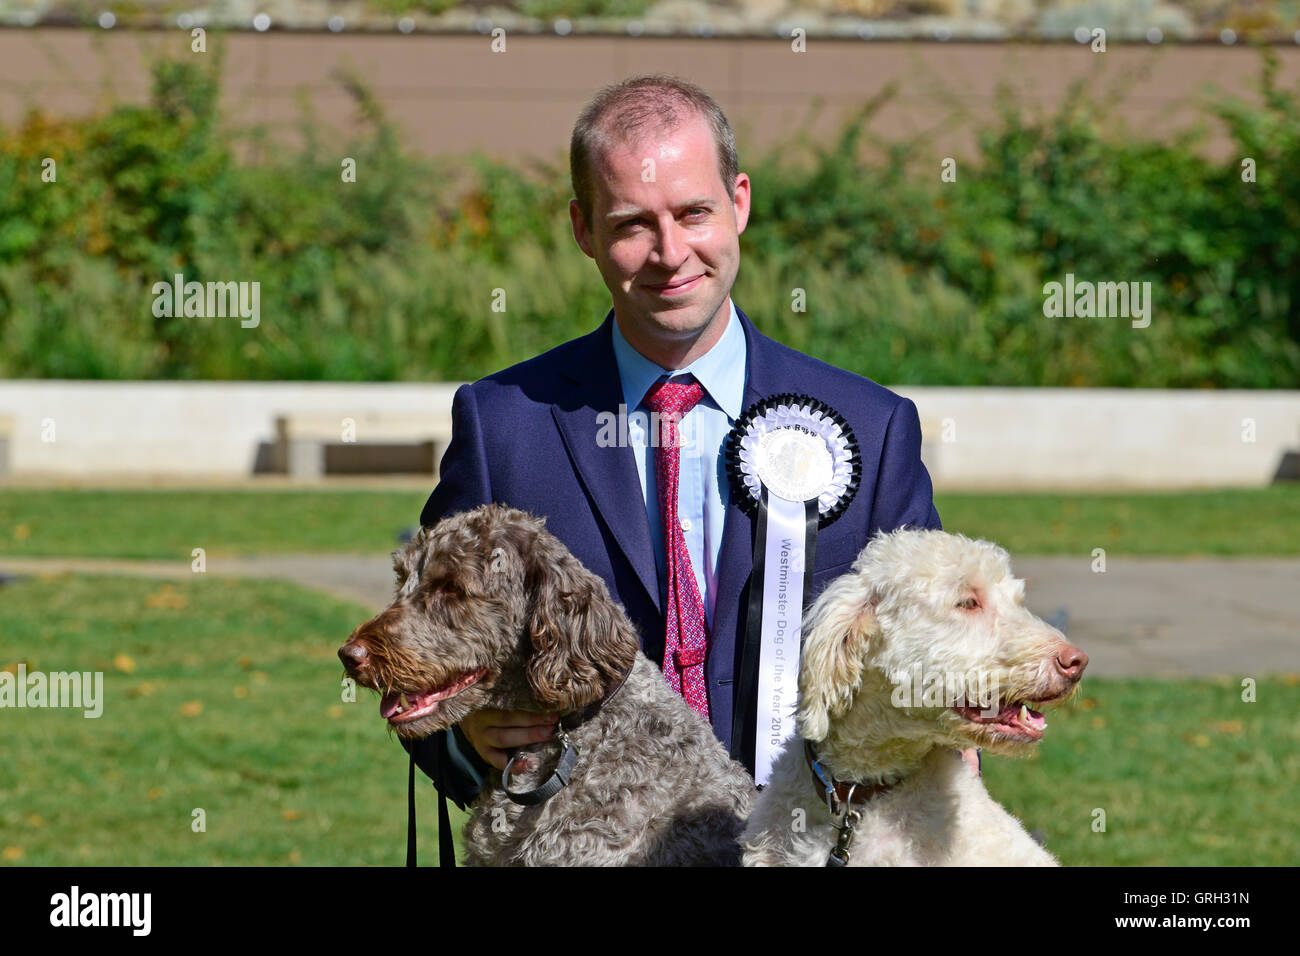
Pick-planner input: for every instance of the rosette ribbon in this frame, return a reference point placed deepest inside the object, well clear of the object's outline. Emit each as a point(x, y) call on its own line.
point(794, 466)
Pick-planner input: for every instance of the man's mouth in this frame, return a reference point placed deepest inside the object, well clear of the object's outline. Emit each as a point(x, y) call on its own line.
point(676, 287)
point(403, 706)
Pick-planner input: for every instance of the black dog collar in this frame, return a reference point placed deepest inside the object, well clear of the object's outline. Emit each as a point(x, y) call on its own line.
point(569, 754)
point(554, 784)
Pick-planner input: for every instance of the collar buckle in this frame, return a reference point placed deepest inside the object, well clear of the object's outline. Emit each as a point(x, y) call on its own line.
point(569, 754)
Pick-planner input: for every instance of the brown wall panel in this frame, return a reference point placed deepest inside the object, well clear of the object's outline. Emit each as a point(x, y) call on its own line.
point(452, 94)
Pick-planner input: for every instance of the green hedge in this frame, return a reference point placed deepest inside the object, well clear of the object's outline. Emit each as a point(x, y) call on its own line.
point(908, 279)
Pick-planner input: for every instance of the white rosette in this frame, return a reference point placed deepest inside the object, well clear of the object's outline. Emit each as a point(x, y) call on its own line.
point(794, 465)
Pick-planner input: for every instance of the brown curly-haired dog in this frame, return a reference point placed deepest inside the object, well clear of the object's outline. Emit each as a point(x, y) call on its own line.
point(493, 611)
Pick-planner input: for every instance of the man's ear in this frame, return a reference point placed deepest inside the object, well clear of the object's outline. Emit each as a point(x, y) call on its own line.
point(836, 630)
point(581, 229)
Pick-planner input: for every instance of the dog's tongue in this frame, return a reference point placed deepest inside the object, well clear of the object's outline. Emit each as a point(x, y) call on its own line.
point(1023, 716)
point(1010, 714)
point(391, 704)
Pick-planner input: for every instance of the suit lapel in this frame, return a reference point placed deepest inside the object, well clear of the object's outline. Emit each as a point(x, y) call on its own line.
point(608, 473)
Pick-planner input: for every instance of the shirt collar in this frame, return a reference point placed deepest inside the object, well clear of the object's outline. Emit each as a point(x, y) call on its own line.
point(720, 370)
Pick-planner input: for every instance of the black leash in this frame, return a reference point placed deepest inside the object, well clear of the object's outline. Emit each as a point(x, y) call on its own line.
point(446, 848)
point(410, 813)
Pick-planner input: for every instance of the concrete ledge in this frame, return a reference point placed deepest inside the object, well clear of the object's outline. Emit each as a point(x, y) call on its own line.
point(6, 436)
point(201, 431)
point(976, 438)
point(1104, 437)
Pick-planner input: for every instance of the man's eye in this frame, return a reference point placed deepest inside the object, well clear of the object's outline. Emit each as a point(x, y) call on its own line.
point(694, 213)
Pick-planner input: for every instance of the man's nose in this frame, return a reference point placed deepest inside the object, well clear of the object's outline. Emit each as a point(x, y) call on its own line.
point(671, 246)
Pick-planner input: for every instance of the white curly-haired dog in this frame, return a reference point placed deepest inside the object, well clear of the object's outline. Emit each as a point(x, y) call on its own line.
point(923, 648)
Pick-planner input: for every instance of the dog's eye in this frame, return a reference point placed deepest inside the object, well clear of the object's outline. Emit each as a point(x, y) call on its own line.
point(970, 604)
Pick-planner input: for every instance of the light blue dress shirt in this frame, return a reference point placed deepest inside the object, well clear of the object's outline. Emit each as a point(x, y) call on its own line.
point(702, 490)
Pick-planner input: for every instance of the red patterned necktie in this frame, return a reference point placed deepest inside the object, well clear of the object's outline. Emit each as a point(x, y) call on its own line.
point(686, 641)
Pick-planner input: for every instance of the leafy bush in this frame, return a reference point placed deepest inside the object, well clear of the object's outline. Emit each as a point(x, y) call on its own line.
point(907, 279)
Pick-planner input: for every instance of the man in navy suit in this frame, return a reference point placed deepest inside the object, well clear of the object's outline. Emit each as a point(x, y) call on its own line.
point(534, 436)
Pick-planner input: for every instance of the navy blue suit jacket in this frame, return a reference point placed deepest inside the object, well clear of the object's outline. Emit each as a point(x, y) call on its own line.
point(527, 437)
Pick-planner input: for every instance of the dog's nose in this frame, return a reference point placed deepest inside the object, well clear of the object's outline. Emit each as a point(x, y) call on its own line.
point(1071, 661)
point(353, 655)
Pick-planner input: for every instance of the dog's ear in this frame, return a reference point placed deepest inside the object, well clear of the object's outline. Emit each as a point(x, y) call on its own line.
point(406, 566)
point(836, 630)
point(582, 642)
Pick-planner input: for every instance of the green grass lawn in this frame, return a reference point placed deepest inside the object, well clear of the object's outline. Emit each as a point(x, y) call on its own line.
point(162, 524)
point(225, 695)
point(1186, 772)
point(218, 694)
point(169, 524)
point(1251, 521)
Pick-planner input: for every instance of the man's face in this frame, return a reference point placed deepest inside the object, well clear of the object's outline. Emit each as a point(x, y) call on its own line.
point(683, 225)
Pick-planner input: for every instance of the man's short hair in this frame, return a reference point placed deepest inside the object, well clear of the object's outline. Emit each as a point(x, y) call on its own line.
point(644, 105)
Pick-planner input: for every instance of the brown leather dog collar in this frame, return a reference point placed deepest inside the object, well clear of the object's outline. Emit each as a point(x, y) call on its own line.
point(844, 791)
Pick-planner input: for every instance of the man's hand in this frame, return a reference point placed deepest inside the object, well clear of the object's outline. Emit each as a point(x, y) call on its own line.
point(492, 732)
point(971, 757)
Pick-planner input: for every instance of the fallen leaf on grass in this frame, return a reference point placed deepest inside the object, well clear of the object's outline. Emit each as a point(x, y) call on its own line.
point(168, 597)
